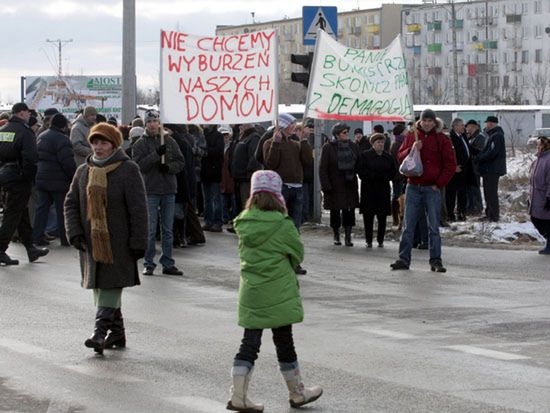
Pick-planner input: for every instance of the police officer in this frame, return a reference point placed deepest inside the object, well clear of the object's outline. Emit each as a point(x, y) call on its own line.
point(18, 157)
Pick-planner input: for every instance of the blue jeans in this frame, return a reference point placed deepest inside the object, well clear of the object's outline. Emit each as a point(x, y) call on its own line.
point(294, 202)
point(45, 200)
point(421, 200)
point(166, 203)
point(212, 204)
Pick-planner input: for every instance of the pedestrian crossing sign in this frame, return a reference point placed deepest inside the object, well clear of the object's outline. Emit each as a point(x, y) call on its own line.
point(317, 17)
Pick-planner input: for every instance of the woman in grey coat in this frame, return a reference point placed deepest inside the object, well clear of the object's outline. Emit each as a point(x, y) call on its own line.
point(110, 239)
point(539, 191)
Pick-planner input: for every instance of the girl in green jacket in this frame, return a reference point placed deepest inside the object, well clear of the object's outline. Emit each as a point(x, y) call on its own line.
point(269, 297)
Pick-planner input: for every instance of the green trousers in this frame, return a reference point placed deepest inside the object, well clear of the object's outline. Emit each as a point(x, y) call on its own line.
point(110, 297)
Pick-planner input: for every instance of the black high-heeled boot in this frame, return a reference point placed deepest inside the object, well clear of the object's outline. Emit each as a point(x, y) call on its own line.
point(116, 337)
point(347, 237)
point(103, 322)
point(337, 236)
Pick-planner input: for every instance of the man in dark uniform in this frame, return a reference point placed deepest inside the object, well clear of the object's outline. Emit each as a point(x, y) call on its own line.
point(18, 157)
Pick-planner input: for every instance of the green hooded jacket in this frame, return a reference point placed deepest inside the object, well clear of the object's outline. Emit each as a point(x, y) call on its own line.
point(270, 248)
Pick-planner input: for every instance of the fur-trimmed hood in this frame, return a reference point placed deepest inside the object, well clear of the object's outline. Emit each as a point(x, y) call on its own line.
point(439, 124)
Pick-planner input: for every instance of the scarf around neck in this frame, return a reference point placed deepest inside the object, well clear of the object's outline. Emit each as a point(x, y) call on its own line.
point(346, 159)
point(96, 192)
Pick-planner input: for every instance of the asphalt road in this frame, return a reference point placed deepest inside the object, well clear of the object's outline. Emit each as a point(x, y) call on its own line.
point(476, 339)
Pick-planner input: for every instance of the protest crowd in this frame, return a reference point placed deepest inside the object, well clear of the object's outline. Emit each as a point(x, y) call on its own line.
point(160, 180)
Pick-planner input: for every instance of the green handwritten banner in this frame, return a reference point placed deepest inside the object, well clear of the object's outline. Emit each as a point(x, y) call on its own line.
point(357, 84)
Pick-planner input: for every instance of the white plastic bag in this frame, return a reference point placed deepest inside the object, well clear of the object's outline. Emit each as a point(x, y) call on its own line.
point(412, 164)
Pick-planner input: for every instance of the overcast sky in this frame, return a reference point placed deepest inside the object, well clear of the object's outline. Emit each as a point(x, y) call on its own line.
point(96, 30)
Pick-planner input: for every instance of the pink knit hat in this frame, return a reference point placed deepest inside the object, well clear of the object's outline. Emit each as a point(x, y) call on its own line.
point(267, 181)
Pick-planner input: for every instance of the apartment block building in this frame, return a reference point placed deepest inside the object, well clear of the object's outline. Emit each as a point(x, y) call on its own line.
point(366, 29)
point(478, 52)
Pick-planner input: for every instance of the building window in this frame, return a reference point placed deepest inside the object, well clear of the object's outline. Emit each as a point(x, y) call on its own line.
point(524, 8)
point(525, 56)
point(525, 32)
point(504, 57)
point(538, 6)
point(538, 31)
point(538, 56)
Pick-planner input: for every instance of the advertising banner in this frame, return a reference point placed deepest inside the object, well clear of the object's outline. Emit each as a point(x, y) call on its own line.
point(71, 93)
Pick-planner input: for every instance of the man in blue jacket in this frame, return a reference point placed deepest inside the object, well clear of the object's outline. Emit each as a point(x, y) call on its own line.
point(492, 165)
point(18, 158)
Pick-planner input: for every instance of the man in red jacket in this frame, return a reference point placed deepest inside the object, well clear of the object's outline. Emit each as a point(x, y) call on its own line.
point(423, 194)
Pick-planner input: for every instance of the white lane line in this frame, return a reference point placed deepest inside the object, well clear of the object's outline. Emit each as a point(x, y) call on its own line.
point(20, 347)
point(198, 404)
point(387, 333)
point(100, 373)
point(478, 351)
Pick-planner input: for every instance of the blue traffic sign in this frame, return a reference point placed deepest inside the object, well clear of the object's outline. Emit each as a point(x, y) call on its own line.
point(318, 17)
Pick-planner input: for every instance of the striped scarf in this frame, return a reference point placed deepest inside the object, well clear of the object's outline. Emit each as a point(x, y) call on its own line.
point(96, 192)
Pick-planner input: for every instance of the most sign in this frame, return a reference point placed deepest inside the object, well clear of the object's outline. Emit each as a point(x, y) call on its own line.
point(218, 79)
point(356, 84)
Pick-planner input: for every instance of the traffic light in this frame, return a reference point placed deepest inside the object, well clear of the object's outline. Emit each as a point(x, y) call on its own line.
point(304, 60)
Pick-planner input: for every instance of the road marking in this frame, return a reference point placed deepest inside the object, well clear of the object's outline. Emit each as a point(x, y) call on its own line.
point(198, 404)
point(98, 373)
point(499, 355)
point(20, 347)
point(387, 333)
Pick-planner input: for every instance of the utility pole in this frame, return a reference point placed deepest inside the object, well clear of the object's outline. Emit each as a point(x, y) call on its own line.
point(60, 48)
point(487, 52)
point(128, 61)
point(455, 57)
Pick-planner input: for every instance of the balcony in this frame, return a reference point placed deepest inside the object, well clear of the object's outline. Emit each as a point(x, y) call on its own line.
point(373, 28)
point(478, 46)
point(414, 28)
point(490, 44)
point(434, 26)
point(434, 48)
point(356, 30)
point(459, 47)
point(458, 24)
point(513, 18)
point(417, 50)
point(436, 70)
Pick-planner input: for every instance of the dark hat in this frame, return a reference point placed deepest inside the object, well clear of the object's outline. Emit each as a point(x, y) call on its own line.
point(106, 132)
point(376, 137)
point(338, 128)
point(112, 121)
point(472, 122)
point(100, 118)
point(428, 114)
point(59, 121)
point(50, 112)
point(309, 123)
point(378, 128)
point(18, 107)
point(398, 129)
point(493, 119)
point(358, 130)
point(32, 121)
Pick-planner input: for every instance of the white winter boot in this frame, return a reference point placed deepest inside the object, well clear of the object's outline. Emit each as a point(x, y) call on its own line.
point(239, 392)
point(298, 394)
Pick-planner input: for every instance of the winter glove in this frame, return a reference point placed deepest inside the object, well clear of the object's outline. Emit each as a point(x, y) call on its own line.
point(161, 150)
point(79, 242)
point(164, 168)
point(547, 204)
point(137, 254)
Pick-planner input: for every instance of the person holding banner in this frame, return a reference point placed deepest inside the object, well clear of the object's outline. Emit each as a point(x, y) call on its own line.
point(287, 156)
point(159, 159)
point(423, 193)
point(337, 173)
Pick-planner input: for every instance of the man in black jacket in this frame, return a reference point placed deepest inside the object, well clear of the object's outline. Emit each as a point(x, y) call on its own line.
point(492, 165)
point(18, 158)
point(211, 178)
point(458, 185)
point(56, 167)
point(244, 162)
